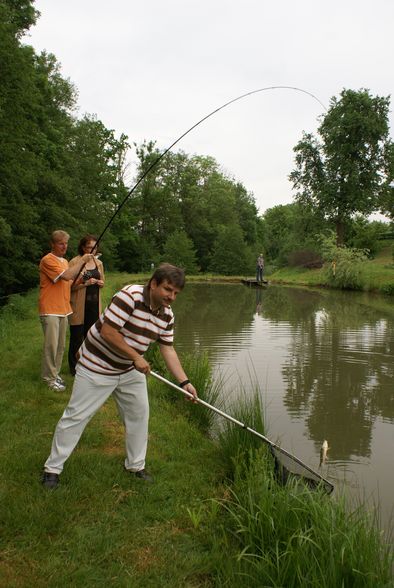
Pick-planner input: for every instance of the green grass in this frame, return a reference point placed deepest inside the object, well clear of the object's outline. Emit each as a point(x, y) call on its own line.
point(377, 274)
point(290, 536)
point(101, 526)
point(214, 517)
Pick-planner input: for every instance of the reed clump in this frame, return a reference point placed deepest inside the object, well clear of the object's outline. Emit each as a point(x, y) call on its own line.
point(289, 535)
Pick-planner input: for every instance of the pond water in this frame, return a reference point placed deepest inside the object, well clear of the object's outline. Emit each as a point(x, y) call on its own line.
point(323, 361)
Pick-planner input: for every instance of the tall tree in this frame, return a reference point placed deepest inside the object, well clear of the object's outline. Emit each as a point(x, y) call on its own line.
point(188, 194)
point(348, 170)
point(55, 171)
point(230, 253)
point(289, 228)
point(179, 250)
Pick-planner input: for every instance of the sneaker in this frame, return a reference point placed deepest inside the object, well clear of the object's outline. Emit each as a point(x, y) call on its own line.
point(142, 475)
point(56, 386)
point(60, 380)
point(50, 480)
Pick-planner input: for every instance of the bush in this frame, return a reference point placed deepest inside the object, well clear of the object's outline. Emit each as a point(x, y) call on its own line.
point(305, 258)
point(344, 265)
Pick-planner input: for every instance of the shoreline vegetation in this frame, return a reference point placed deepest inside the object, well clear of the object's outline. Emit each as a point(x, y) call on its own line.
point(376, 275)
point(215, 516)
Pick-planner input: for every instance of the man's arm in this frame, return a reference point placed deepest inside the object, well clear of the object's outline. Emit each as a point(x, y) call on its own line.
point(171, 359)
point(72, 272)
point(116, 340)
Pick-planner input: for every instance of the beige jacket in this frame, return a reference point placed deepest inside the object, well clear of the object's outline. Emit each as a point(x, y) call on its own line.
point(78, 295)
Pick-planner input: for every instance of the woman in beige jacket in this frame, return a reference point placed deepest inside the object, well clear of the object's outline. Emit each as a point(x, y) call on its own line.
point(85, 298)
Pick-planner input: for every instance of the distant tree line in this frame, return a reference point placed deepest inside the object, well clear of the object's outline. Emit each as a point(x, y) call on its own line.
point(61, 171)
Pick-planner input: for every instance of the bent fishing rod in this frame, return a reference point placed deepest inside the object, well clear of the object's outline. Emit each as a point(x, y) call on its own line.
point(160, 157)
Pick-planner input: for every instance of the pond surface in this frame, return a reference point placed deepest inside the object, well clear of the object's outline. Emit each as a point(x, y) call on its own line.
point(324, 364)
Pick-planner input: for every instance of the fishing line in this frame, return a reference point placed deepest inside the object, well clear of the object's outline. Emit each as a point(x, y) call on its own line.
point(160, 157)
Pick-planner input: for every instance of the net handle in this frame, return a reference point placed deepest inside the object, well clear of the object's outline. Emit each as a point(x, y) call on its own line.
point(244, 426)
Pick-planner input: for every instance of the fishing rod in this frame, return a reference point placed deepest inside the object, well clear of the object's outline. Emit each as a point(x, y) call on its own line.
point(316, 476)
point(160, 157)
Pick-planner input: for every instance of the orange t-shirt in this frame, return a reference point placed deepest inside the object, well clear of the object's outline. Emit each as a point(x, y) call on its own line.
point(54, 292)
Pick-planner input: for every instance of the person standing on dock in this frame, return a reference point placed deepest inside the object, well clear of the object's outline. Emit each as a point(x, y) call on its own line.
point(260, 268)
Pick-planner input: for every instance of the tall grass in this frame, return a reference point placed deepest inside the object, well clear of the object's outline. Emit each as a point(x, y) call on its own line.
point(289, 535)
point(199, 372)
point(236, 444)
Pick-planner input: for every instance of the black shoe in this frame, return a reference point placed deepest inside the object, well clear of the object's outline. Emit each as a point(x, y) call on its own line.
point(142, 475)
point(50, 480)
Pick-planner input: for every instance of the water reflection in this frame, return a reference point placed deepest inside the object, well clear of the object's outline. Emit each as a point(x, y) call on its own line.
point(213, 318)
point(338, 371)
point(324, 361)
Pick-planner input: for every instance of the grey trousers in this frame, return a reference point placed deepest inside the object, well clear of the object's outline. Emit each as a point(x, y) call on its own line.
point(55, 330)
point(89, 393)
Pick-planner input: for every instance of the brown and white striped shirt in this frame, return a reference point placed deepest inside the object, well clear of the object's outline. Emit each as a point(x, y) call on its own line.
point(129, 312)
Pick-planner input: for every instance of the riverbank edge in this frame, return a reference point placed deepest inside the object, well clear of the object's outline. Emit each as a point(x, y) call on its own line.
point(100, 527)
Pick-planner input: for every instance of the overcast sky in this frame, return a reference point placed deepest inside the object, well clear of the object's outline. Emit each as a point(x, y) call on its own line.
point(151, 69)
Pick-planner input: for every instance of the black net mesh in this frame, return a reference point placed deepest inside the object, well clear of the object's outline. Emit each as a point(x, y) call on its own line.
point(289, 468)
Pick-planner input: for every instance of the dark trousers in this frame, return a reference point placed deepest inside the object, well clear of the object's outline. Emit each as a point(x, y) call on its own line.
point(77, 335)
point(79, 332)
point(259, 273)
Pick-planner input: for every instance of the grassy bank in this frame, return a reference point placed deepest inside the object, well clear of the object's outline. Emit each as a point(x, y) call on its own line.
point(377, 274)
point(214, 517)
point(101, 527)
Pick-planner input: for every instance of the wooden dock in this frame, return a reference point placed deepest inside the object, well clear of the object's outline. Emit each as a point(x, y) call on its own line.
point(255, 283)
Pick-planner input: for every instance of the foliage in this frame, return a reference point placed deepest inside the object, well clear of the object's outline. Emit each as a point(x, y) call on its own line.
point(350, 169)
point(387, 197)
point(55, 171)
point(230, 254)
point(290, 227)
point(344, 267)
point(179, 250)
point(237, 445)
point(60, 171)
point(18, 15)
point(305, 258)
point(186, 195)
point(364, 234)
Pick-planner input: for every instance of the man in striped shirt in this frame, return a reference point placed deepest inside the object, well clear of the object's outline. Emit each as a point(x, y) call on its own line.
point(111, 362)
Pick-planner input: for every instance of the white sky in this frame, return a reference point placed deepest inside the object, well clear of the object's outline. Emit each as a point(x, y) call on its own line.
point(151, 69)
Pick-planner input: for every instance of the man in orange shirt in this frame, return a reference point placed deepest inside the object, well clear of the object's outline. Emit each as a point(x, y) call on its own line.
point(54, 306)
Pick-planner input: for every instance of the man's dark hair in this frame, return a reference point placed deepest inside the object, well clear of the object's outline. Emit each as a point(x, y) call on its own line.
point(83, 242)
point(174, 275)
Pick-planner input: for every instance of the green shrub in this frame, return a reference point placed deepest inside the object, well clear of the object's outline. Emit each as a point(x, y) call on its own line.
point(305, 258)
point(344, 266)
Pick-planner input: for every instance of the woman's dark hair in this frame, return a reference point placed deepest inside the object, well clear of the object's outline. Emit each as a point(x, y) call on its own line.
point(174, 275)
point(83, 242)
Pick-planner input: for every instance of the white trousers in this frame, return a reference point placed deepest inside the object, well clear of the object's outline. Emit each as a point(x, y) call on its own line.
point(89, 393)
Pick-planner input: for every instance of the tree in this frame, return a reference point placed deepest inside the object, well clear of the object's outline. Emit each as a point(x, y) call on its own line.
point(179, 251)
point(288, 228)
point(18, 15)
point(348, 170)
point(387, 198)
point(230, 253)
point(55, 171)
point(192, 195)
